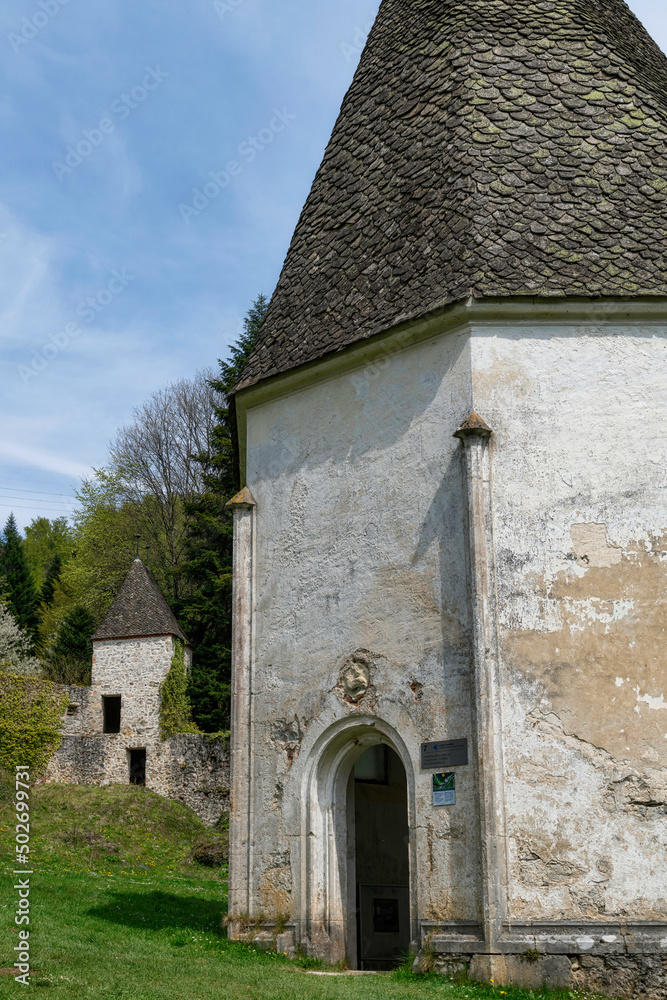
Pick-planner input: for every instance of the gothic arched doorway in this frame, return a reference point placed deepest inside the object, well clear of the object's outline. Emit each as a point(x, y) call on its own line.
point(336, 894)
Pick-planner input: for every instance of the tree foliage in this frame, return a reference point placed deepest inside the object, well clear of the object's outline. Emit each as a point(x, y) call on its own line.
point(70, 659)
point(15, 647)
point(154, 459)
point(20, 590)
point(106, 528)
point(44, 542)
point(47, 593)
point(206, 616)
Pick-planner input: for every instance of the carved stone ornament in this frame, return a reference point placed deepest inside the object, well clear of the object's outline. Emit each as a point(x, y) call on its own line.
point(355, 675)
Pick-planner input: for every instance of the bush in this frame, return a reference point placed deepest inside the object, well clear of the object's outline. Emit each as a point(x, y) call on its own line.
point(175, 707)
point(211, 855)
point(30, 718)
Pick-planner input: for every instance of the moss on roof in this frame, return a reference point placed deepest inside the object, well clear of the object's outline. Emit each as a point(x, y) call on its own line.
point(139, 609)
point(492, 147)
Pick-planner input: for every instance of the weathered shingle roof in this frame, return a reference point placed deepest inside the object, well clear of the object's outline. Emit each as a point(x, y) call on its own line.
point(139, 609)
point(499, 147)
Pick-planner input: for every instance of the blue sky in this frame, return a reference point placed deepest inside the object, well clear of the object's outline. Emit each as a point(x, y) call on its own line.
point(113, 114)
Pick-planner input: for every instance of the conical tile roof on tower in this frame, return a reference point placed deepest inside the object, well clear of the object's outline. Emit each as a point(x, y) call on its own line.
point(139, 609)
point(493, 148)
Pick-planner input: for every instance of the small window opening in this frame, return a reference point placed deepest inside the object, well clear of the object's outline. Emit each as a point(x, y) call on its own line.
point(111, 708)
point(138, 767)
point(73, 708)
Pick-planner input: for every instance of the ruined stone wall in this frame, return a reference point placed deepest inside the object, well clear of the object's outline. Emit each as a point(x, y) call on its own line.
point(580, 505)
point(189, 768)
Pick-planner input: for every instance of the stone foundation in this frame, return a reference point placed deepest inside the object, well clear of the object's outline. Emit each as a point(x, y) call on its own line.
point(627, 961)
point(632, 977)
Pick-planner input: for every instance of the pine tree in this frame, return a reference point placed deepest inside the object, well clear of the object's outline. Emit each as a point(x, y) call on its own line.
point(206, 616)
point(52, 576)
point(75, 634)
point(21, 593)
point(70, 660)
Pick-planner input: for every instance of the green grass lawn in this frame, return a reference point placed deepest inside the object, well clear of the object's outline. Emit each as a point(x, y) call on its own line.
point(119, 911)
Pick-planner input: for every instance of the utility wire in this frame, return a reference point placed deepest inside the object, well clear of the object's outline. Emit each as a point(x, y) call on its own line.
point(16, 506)
point(20, 489)
point(47, 503)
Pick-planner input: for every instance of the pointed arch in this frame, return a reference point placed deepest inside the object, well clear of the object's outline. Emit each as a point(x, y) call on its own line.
point(327, 876)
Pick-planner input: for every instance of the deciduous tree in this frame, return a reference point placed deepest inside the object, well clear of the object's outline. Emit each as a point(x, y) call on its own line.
point(15, 646)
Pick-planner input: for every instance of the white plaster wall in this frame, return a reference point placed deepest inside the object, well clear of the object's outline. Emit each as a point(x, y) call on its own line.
point(580, 508)
point(361, 545)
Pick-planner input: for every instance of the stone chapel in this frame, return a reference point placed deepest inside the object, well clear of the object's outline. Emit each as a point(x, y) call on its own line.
point(450, 605)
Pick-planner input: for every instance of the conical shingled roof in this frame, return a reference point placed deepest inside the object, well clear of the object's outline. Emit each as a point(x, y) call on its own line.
point(492, 147)
point(139, 609)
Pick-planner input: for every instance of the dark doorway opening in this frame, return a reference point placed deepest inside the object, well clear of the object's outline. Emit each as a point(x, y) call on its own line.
point(138, 767)
point(382, 859)
point(111, 711)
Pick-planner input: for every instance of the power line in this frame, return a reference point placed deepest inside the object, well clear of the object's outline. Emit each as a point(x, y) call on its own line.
point(19, 489)
point(16, 506)
point(47, 503)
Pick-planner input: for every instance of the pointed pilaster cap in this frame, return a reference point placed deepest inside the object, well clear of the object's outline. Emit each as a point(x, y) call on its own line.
point(242, 501)
point(473, 426)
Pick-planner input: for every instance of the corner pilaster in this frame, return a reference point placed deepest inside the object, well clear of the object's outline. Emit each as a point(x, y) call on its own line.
point(475, 435)
point(243, 508)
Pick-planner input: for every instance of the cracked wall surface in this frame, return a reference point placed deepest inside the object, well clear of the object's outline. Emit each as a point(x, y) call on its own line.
point(361, 601)
point(580, 507)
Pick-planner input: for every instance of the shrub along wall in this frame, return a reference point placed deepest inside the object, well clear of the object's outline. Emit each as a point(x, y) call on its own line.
point(175, 707)
point(30, 718)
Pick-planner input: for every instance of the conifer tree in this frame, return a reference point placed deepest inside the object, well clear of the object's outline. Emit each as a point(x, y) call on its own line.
point(52, 576)
point(70, 660)
point(206, 616)
point(21, 593)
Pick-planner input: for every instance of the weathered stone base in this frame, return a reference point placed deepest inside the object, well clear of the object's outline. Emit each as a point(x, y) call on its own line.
point(264, 934)
point(191, 768)
point(627, 976)
point(627, 961)
point(622, 965)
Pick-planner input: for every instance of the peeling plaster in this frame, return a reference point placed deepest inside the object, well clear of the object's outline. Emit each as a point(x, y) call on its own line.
point(655, 703)
point(612, 616)
point(590, 545)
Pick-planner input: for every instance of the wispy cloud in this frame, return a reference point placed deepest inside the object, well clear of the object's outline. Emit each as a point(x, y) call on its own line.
point(39, 458)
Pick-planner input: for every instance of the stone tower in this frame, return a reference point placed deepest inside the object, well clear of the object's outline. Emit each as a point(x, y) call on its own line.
point(133, 651)
point(111, 732)
point(451, 542)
